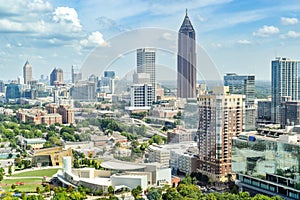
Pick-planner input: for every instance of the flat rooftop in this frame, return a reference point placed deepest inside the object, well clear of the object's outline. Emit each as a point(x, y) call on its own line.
point(119, 165)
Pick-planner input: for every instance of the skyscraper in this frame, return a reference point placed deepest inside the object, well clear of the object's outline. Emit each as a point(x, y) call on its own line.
point(56, 77)
point(220, 118)
point(285, 82)
point(244, 84)
point(145, 60)
point(76, 75)
point(27, 73)
point(241, 84)
point(186, 60)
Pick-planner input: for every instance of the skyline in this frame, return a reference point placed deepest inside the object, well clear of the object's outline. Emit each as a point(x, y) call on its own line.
point(61, 34)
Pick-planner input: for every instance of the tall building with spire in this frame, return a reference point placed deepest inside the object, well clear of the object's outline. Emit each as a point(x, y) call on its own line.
point(27, 73)
point(186, 60)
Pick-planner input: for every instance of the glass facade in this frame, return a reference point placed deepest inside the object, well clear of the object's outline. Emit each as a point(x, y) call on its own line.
point(256, 158)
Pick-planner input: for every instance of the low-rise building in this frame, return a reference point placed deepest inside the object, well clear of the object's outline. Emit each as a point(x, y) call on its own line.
point(180, 157)
point(50, 156)
point(179, 134)
point(34, 143)
point(158, 154)
point(117, 174)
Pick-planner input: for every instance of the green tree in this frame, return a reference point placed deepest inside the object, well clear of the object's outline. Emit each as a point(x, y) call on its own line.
point(154, 194)
point(9, 170)
point(111, 189)
point(38, 190)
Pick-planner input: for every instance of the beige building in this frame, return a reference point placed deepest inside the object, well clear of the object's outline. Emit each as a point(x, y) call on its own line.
point(179, 134)
point(50, 156)
point(158, 154)
point(221, 118)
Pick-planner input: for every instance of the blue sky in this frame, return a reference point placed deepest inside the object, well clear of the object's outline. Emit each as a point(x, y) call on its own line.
point(239, 36)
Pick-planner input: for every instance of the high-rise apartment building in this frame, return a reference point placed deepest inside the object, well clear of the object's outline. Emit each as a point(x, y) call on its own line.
point(186, 60)
point(285, 82)
point(220, 118)
point(27, 73)
point(56, 77)
point(145, 60)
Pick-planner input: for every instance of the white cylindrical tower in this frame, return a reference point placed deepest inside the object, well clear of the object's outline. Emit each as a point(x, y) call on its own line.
point(67, 164)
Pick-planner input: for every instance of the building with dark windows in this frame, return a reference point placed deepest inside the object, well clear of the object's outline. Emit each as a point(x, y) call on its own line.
point(110, 74)
point(186, 60)
point(241, 84)
point(141, 95)
point(285, 82)
point(27, 73)
point(290, 113)
point(57, 77)
point(264, 111)
point(13, 91)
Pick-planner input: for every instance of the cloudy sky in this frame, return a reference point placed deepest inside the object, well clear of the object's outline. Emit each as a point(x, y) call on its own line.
point(239, 36)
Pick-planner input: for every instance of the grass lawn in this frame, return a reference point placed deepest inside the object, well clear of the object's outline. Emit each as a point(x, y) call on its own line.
point(30, 184)
point(38, 173)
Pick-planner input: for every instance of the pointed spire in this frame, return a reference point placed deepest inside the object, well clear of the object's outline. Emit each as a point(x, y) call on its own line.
point(186, 25)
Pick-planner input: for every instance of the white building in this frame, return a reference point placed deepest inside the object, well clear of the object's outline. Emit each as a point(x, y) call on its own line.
point(142, 95)
point(131, 181)
point(179, 157)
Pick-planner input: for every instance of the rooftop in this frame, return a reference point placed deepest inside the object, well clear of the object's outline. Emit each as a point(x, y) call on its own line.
point(119, 165)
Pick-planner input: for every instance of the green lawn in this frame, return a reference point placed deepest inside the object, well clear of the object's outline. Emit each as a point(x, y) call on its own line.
point(38, 173)
point(30, 184)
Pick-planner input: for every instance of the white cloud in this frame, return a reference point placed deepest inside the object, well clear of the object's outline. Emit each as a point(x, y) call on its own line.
point(266, 31)
point(8, 45)
point(94, 39)
point(291, 34)
point(244, 42)
point(67, 16)
point(201, 18)
point(217, 45)
point(288, 21)
point(10, 26)
point(169, 36)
